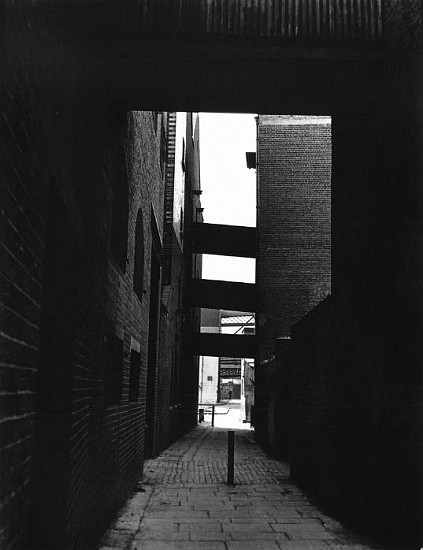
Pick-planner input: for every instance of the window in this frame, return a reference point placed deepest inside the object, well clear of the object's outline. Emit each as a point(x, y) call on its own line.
point(210, 378)
point(163, 149)
point(138, 283)
point(120, 208)
point(183, 161)
point(134, 376)
point(155, 115)
point(113, 370)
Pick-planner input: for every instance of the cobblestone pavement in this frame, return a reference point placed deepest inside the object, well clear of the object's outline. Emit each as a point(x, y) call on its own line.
point(185, 504)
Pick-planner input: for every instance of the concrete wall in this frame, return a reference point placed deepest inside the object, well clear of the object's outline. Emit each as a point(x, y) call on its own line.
point(209, 377)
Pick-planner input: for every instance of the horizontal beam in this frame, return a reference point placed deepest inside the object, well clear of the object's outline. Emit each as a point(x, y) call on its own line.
point(226, 240)
point(224, 345)
point(223, 295)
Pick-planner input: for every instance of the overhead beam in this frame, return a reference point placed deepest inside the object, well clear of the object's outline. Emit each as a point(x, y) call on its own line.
point(224, 345)
point(226, 240)
point(223, 295)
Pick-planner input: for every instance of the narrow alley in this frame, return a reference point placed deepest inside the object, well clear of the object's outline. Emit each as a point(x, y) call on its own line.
point(211, 203)
point(184, 502)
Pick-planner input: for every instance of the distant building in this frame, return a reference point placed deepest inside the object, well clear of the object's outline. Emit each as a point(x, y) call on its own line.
point(208, 388)
point(177, 383)
point(225, 378)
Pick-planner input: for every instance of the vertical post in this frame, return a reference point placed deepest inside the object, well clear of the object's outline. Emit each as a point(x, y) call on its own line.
point(212, 415)
point(231, 456)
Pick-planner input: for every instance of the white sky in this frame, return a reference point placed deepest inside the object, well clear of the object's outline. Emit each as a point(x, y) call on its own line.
point(229, 187)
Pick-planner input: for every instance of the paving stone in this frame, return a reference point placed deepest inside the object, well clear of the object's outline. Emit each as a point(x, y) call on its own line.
point(305, 545)
point(296, 522)
point(186, 504)
point(304, 532)
point(178, 545)
point(251, 545)
point(258, 537)
point(160, 532)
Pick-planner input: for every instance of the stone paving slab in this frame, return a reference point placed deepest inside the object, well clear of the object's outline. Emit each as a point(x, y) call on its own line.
point(185, 504)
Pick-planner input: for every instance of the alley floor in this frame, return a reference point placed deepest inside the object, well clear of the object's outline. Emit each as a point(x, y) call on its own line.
point(183, 502)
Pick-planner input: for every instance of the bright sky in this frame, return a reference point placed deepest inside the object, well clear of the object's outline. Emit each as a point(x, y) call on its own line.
point(229, 187)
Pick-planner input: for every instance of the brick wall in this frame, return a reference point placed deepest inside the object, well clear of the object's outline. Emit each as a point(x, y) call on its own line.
point(24, 199)
point(169, 399)
point(101, 450)
point(193, 265)
point(402, 24)
point(293, 263)
point(69, 455)
point(310, 402)
point(355, 382)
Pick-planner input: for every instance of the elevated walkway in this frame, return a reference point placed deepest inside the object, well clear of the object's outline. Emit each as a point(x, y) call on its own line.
point(263, 56)
point(225, 240)
point(224, 345)
point(223, 295)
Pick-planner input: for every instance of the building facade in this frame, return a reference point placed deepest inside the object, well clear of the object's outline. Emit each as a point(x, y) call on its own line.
point(293, 270)
point(293, 222)
point(92, 346)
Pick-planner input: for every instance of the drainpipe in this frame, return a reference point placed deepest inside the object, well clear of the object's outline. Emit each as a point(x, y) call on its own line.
point(257, 314)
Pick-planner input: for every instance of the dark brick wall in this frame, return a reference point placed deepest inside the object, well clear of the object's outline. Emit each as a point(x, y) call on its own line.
point(274, 426)
point(402, 23)
point(169, 399)
point(310, 401)
point(69, 457)
point(355, 366)
point(24, 200)
point(102, 449)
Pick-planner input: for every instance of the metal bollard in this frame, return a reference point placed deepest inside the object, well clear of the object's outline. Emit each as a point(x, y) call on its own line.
point(212, 415)
point(231, 457)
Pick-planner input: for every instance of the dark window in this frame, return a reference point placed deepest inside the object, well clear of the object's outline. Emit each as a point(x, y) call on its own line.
point(114, 370)
point(155, 115)
point(163, 148)
point(139, 256)
point(120, 209)
point(134, 375)
point(183, 155)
